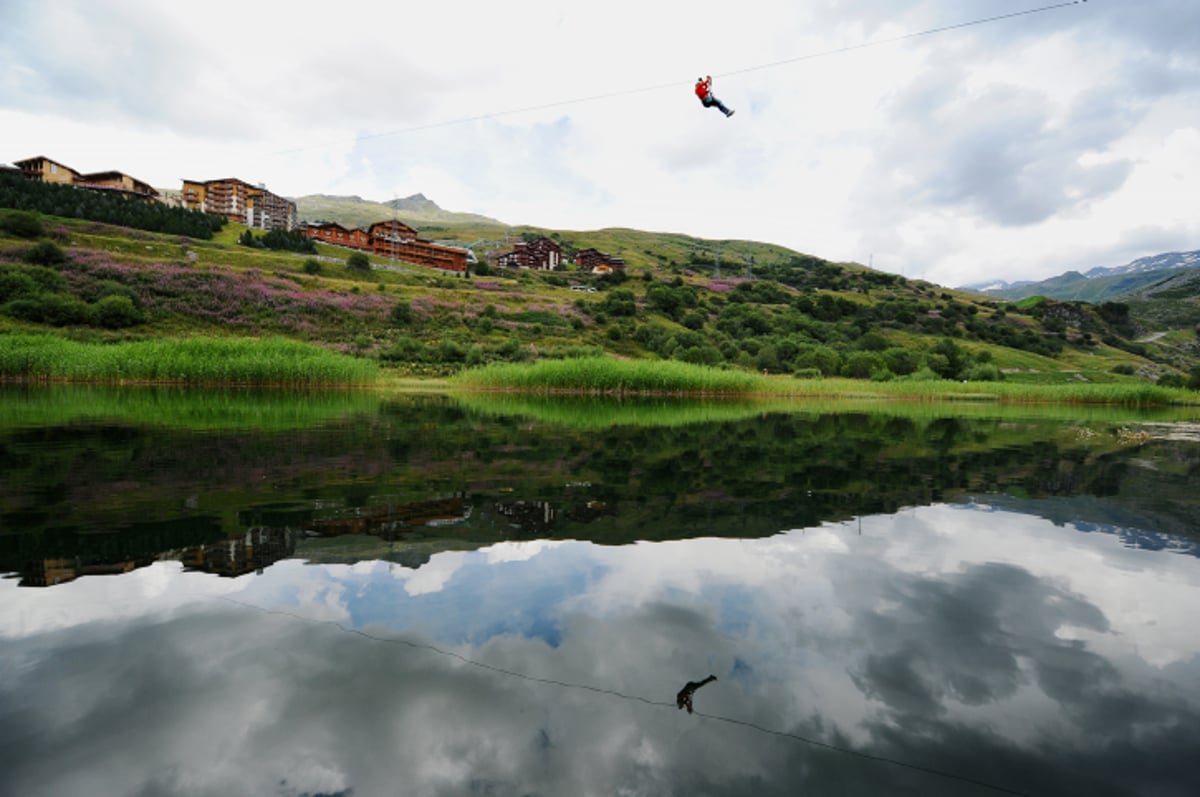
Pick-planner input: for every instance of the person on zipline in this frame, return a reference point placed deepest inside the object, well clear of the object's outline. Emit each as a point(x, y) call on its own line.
point(704, 92)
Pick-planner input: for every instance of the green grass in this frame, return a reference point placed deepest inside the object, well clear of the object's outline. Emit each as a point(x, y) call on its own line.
point(610, 376)
point(602, 412)
point(603, 375)
point(179, 407)
point(199, 360)
point(1127, 394)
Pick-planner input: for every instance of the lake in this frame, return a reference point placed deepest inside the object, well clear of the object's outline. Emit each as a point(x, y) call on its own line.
point(264, 593)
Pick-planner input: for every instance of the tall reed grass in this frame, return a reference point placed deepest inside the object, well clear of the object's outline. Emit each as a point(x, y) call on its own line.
point(603, 375)
point(201, 360)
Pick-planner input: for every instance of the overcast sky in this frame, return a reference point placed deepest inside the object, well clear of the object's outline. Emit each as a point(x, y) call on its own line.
point(1019, 148)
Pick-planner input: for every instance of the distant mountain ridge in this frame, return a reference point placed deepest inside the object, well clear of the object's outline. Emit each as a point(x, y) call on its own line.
point(354, 211)
point(1170, 271)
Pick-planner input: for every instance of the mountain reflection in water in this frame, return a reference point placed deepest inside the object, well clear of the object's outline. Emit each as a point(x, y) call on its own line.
point(428, 600)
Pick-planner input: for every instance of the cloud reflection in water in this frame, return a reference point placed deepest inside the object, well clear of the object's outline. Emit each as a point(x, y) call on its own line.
point(992, 644)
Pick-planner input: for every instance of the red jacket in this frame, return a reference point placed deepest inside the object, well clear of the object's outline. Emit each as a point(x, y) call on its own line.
point(702, 88)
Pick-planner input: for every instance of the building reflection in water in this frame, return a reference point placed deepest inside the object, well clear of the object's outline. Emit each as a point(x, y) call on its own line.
point(255, 550)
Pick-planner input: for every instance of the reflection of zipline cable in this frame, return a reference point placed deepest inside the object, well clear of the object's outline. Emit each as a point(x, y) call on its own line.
point(860, 754)
point(676, 84)
point(634, 698)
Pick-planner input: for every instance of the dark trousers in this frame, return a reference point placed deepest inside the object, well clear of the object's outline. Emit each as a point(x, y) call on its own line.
point(710, 101)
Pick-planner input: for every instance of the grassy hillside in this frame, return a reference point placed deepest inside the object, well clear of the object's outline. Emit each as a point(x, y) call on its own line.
point(725, 304)
point(416, 211)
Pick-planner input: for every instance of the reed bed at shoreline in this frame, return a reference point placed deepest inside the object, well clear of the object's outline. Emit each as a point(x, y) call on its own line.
point(607, 376)
point(199, 361)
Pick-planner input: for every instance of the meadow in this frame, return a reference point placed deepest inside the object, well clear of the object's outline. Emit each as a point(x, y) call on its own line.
point(670, 324)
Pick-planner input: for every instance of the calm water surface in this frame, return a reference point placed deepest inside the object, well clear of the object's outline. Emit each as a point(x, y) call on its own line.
point(249, 594)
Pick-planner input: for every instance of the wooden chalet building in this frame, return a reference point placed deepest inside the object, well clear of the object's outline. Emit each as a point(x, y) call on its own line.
point(597, 262)
point(117, 182)
point(237, 200)
point(45, 170)
point(393, 239)
point(541, 254)
point(331, 232)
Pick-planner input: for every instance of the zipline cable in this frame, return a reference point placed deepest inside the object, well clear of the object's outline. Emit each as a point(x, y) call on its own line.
point(622, 695)
point(903, 37)
point(674, 84)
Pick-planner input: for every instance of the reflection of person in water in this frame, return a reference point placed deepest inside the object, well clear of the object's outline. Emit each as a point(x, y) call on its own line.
point(684, 698)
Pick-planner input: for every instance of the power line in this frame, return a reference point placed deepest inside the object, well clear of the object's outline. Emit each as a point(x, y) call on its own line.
point(622, 695)
point(674, 84)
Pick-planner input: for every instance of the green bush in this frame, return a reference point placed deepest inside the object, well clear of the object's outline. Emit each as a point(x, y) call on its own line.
point(984, 372)
point(358, 262)
point(900, 361)
point(700, 355)
point(105, 288)
point(15, 284)
point(116, 312)
point(1124, 369)
point(923, 375)
point(312, 266)
point(55, 309)
point(22, 225)
point(401, 315)
point(826, 360)
point(862, 364)
point(807, 373)
point(45, 253)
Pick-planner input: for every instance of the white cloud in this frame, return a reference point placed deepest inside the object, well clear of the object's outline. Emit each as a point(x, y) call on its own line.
point(1021, 147)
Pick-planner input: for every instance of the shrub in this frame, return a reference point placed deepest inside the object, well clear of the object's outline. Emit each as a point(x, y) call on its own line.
point(45, 253)
point(984, 372)
point(861, 364)
point(401, 315)
point(923, 375)
point(282, 240)
point(901, 361)
point(358, 262)
point(828, 361)
point(106, 288)
point(312, 266)
point(22, 225)
point(871, 341)
point(1124, 369)
point(700, 355)
point(116, 312)
point(14, 284)
point(807, 373)
point(51, 308)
